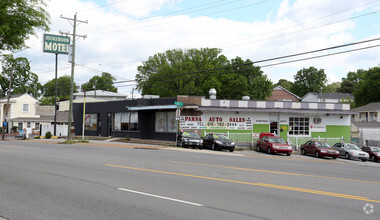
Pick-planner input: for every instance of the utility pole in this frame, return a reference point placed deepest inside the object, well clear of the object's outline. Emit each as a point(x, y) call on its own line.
point(74, 34)
point(5, 125)
point(95, 88)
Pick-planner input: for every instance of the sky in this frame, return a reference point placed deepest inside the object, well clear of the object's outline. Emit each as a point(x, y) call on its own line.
point(121, 34)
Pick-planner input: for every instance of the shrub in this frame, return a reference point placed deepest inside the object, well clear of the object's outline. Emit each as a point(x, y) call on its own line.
point(37, 137)
point(48, 135)
point(127, 138)
point(14, 129)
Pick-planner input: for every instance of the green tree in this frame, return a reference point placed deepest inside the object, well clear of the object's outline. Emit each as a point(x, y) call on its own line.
point(286, 84)
point(367, 89)
point(349, 83)
point(63, 90)
point(104, 82)
point(243, 79)
point(309, 80)
point(173, 72)
point(196, 71)
point(23, 80)
point(18, 19)
point(332, 87)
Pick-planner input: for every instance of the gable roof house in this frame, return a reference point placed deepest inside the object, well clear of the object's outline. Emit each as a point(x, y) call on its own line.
point(21, 112)
point(281, 94)
point(327, 97)
point(366, 124)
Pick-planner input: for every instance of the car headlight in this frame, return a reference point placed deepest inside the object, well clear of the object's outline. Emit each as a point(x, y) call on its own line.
point(323, 151)
point(218, 142)
point(185, 140)
point(274, 146)
point(377, 154)
point(232, 143)
point(290, 148)
point(201, 141)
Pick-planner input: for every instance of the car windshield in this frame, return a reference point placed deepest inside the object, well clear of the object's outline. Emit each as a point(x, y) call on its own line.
point(276, 140)
point(352, 147)
point(221, 137)
point(375, 149)
point(190, 134)
point(322, 144)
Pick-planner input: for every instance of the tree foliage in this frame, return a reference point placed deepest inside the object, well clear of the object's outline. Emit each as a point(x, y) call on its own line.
point(309, 80)
point(104, 82)
point(23, 80)
point(18, 19)
point(367, 89)
point(196, 71)
point(349, 83)
point(63, 89)
point(286, 84)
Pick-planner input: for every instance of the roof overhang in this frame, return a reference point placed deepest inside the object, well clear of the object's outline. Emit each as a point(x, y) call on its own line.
point(275, 110)
point(153, 107)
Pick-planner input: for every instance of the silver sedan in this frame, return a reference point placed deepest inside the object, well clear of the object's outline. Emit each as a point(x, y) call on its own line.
point(351, 151)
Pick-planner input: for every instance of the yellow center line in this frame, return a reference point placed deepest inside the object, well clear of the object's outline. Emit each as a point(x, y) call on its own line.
point(281, 158)
point(276, 172)
point(14, 146)
point(332, 194)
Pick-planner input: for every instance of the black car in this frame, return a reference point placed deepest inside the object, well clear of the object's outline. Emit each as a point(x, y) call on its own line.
point(218, 142)
point(189, 139)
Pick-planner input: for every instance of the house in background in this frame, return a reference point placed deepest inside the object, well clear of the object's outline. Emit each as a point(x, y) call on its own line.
point(281, 94)
point(21, 112)
point(366, 124)
point(327, 97)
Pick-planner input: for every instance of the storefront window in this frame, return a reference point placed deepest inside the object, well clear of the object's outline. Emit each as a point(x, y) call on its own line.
point(90, 122)
point(165, 122)
point(126, 121)
point(298, 126)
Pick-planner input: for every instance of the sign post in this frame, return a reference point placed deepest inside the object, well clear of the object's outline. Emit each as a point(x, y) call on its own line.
point(58, 45)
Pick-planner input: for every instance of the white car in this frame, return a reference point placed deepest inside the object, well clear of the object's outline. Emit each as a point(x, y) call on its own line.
point(351, 151)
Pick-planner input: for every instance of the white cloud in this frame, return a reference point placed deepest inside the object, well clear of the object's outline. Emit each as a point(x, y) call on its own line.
point(116, 38)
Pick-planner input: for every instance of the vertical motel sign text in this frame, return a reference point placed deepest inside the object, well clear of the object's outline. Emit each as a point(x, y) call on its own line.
point(56, 44)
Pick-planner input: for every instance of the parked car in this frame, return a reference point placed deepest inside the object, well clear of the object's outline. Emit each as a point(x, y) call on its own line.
point(374, 153)
point(189, 139)
point(272, 144)
point(218, 142)
point(351, 151)
point(319, 149)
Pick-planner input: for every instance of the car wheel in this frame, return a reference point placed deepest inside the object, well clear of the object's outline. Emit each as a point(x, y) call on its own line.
point(364, 160)
point(231, 150)
point(373, 158)
point(347, 156)
point(287, 154)
point(269, 151)
point(334, 158)
point(303, 152)
point(258, 148)
point(316, 154)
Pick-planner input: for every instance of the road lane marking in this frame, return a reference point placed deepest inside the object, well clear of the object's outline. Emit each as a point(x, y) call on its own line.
point(287, 158)
point(13, 146)
point(276, 172)
point(160, 197)
point(332, 194)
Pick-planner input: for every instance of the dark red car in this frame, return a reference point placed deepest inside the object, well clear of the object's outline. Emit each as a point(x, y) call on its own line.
point(272, 144)
point(319, 149)
point(374, 153)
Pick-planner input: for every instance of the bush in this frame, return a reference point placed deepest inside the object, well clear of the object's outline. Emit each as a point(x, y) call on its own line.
point(48, 135)
point(37, 137)
point(127, 138)
point(14, 129)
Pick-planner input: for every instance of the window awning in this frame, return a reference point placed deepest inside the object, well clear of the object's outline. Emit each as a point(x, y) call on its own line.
point(153, 107)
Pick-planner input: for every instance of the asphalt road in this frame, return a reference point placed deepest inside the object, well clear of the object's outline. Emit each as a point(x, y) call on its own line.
point(42, 180)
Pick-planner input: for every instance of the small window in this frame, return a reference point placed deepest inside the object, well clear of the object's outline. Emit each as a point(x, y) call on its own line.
point(37, 125)
point(25, 107)
point(28, 124)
